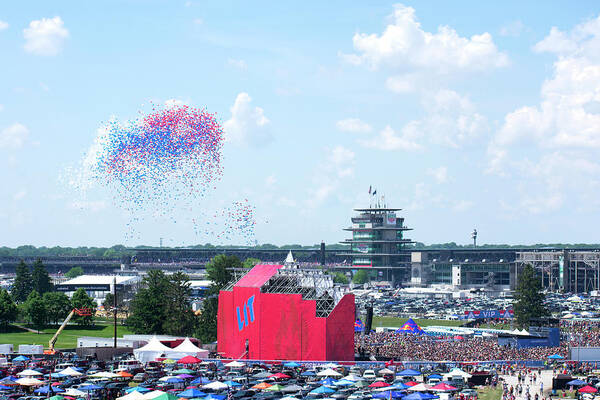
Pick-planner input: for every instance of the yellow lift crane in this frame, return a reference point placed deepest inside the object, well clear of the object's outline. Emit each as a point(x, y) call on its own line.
point(84, 312)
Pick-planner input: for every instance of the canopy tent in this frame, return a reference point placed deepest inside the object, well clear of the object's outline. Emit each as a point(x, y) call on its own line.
point(151, 351)
point(588, 389)
point(576, 382)
point(216, 386)
point(154, 394)
point(393, 394)
point(443, 387)
point(21, 358)
point(29, 372)
point(74, 392)
point(421, 387)
point(191, 393)
point(321, 390)
point(70, 372)
point(409, 372)
point(379, 384)
point(291, 364)
point(189, 360)
point(385, 371)
point(329, 372)
point(235, 364)
point(555, 357)
point(411, 326)
point(105, 375)
point(456, 372)
point(29, 382)
point(48, 389)
point(134, 395)
point(187, 348)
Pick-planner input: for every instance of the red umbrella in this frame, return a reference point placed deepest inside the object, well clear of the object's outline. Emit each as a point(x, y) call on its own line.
point(379, 384)
point(457, 337)
point(443, 387)
point(588, 389)
point(411, 383)
point(189, 360)
point(279, 375)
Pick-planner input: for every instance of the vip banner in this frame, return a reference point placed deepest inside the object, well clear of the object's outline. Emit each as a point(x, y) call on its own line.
point(483, 314)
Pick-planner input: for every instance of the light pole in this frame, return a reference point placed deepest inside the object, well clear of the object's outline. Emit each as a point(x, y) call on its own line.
point(474, 237)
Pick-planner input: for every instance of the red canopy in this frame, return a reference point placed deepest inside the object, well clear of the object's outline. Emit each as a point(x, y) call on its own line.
point(279, 375)
point(443, 387)
point(588, 389)
point(189, 360)
point(411, 383)
point(379, 384)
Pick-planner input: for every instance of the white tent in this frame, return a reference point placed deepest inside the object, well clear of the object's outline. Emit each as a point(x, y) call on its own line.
point(69, 371)
point(457, 372)
point(151, 351)
point(74, 392)
point(235, 364)
point(187, 348)
point(421, 387)
point(29, 382)
point(29, 372)
point(153, 394)
point(105, 375)
point(135, 395)
point(329, 372)
point(216, 386)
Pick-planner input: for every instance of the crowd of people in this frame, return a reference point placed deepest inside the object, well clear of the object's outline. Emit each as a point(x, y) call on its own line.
point(406, 346)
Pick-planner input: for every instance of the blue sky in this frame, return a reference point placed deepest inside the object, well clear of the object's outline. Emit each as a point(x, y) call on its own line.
point(465, 115)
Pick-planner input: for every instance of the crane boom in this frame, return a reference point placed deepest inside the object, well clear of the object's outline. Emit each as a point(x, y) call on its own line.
point(66, 321)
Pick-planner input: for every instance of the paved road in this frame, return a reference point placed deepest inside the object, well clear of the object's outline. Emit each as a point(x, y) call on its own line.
point(546, 378)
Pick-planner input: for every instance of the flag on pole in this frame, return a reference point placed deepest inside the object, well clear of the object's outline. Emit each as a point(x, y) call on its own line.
point(374, 192)
point(369, 189)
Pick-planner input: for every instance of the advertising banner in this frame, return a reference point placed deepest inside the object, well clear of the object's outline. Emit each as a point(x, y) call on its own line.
point(482, 314)
point(390, 219)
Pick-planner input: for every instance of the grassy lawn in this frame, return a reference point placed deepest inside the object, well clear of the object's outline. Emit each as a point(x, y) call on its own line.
point(397, 322)
point(489, 393)
point(66, 340)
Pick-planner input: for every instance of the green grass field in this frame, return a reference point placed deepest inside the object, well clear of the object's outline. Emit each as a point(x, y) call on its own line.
point(66, 340)
point(489, 393)
point(397, 322)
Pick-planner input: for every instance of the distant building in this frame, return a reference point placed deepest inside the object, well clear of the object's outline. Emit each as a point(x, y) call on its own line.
point(98, 286)
point(378, 243)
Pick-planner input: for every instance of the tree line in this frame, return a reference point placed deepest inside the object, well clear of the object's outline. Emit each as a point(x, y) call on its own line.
point(163, 304)
point(33, 299)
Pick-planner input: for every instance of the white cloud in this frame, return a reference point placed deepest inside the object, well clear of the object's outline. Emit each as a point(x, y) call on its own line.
point(239, 64)
point(337, 167)
point(450, 120)
point(405, 83)
point(198, 21)
point(439, 174)
point(514, 29)
point(405, 45)
point(248, 125)
point(353, 125)
point(19, 195)
point(390, 140)
point(14, 136)
point(3, 25)
point(566, 117)
point(45, 37)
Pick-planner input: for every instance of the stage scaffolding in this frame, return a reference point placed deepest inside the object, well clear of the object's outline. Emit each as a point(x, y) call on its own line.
point(569, 270)
point(312, 284)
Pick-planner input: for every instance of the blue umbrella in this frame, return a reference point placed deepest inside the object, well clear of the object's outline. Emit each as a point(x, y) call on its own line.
point(21, 358)
point(435, 376)
point(215, 397)
point(419, 396)
point(2, 387)
point(409, 372)
point(191, 393)
point(201, 381)
point(45, 390)
point(328, 382)
point(322, 390)
point(344, 382)
point(307, 373)
point(173, 379)
point(393, 394)
point(231, 384)
point(555, 357)
point(89, 387)
point(576, 382)
point(291, 364)
point(399, 386)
